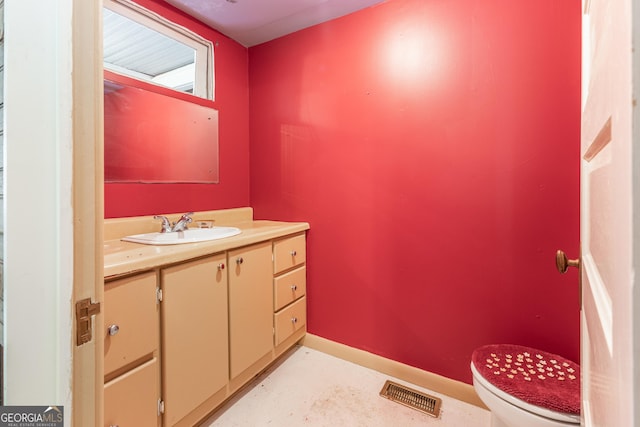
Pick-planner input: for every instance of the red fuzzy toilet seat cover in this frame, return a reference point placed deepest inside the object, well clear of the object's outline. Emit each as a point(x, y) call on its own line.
point(536, 377)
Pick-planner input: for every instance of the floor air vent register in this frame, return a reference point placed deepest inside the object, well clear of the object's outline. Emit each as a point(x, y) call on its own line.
point(412, 398)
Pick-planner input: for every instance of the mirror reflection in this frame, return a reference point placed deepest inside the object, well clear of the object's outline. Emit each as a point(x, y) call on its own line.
point(150, 137)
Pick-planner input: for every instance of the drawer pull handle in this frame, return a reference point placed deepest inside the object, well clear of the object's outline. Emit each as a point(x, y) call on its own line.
point(294, 253)
point(113, 329)
point(239, 260)
point(294, 287)
point(294, 320)
point(221, 266)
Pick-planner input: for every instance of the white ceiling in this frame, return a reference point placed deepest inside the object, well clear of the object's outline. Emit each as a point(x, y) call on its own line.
point(251, 22)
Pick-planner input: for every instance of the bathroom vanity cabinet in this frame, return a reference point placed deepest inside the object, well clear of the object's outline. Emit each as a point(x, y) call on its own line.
point(183, 336)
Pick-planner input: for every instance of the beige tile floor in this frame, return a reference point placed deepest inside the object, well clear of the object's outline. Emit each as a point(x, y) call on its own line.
point(311, 388)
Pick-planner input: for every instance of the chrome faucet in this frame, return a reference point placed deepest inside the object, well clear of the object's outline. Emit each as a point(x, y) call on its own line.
point(183, 222)
point(166, 225)
point(179, 225)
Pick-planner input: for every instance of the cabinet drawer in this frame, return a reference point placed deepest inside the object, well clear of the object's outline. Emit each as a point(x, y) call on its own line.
point(132, 399)
point(289, 287)
point(130, 305)
point(289, 252)
point(290, 319)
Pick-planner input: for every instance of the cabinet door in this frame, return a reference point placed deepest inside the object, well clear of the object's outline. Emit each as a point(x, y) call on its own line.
point(195, 356)
point(131, 314)
point(250, 305)
point(132, 399)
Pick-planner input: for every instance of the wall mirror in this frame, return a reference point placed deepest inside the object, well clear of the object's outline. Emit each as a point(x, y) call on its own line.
point(150, 137)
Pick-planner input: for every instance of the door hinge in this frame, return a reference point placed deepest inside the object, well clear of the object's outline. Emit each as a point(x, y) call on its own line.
point(85, 309)
point(158, 295)
point(160, 407)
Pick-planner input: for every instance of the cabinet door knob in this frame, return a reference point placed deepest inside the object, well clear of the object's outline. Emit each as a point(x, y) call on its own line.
point(294, 253)
point(294, 287)
point(113, 329)
point(239, 260)
point(221, 266)
point(294, 320)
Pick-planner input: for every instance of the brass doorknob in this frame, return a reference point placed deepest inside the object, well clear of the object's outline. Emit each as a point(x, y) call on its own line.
point(563, 263)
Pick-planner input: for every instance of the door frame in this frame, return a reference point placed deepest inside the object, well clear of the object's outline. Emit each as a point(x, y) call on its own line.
point(88, 209)
point(635, 203)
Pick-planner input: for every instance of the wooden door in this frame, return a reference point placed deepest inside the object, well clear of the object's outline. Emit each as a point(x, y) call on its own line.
point(608, 341)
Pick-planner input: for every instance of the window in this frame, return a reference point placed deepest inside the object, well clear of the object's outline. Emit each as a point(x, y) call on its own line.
point(141, 44)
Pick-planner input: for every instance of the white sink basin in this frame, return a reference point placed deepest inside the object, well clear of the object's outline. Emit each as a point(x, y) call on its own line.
point(190, 235)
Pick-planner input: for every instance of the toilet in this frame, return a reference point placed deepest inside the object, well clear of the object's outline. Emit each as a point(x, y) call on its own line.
point(525, 387)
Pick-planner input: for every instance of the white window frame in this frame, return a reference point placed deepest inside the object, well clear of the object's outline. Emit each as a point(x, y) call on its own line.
point(204, 84)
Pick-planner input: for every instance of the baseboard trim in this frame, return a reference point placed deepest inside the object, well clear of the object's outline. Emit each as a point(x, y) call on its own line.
point(434, 382)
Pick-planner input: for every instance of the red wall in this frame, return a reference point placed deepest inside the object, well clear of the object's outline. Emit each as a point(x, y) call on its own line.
point(232, 103)
point(433, 146)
